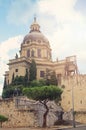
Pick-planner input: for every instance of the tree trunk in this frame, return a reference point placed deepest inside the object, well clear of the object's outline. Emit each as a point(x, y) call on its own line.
point(1, 124)
point(45, 115)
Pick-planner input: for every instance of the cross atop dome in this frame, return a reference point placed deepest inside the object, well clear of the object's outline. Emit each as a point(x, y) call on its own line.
point(35, 26)
point(35, 18)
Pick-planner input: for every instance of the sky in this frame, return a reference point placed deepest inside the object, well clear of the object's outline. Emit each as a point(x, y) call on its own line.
point(63, 22)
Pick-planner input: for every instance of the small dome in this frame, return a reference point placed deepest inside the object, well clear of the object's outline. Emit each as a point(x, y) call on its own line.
point(35, 35)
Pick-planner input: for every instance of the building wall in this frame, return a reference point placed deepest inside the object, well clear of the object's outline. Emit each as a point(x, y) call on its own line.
point(77, 85)
point(81, 117)
point(45, 50)
point(20, 65)
point(18, 70)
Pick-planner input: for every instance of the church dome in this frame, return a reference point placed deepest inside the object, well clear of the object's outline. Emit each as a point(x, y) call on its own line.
point(35, 35)
point(35, 44)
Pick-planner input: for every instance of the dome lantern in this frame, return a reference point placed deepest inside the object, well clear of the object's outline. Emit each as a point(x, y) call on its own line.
point(35, 35)
point(35, 26)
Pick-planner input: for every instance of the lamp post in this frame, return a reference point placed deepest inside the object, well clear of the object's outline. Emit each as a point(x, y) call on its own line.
point(73, 113)
point(16, 95)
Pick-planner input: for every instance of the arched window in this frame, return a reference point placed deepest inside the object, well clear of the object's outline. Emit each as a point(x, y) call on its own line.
point(32, 53)
point(28, 53)
point(39, 53)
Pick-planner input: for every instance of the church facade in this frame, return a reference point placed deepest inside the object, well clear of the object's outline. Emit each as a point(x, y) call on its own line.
point(36, 46)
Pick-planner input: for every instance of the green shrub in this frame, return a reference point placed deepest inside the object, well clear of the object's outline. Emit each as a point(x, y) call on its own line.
point(2, 119)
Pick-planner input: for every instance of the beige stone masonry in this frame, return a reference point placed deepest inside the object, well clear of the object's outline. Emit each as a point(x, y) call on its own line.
point(16, 118)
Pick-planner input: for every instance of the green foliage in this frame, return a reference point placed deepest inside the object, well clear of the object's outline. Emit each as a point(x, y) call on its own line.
point(15, 88)
point(26, 78)
point(42, 82)
point(43, 93)
point(3, 119)
point(47, 74)
point(8, 92)
point(50, 77)
point(47, 77)
point(32, 71)
point(11, 91)
point(34, 83)
point(38, 83)
point(5, 84)
point(18, 80)
point(53, 79)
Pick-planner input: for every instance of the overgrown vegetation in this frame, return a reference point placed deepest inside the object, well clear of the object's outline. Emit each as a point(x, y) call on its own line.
point(12, 90)
point(16, 88)
point(2, 119)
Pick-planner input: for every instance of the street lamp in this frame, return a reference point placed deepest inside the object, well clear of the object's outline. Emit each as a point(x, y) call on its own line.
point(16, 93)
point(73, 113)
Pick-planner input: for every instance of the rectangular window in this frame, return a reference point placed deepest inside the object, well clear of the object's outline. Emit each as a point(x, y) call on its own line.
point(41, 73)
point(16, 70)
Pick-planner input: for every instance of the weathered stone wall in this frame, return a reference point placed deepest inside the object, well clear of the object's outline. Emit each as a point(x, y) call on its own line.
point(74, 92)
point(23, 112)
point(17, 117)
point(81, 117)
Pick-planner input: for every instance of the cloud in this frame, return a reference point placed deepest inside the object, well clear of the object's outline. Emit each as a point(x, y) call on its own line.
point(68, 33)
point(8, 50)
point(63, 10)
point(21, 12)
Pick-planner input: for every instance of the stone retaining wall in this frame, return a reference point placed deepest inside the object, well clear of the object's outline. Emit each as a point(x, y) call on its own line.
point(23, 112)
point(17, 118)
point(81, 117)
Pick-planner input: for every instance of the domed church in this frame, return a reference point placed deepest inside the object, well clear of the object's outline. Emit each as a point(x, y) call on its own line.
point(36, 46)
